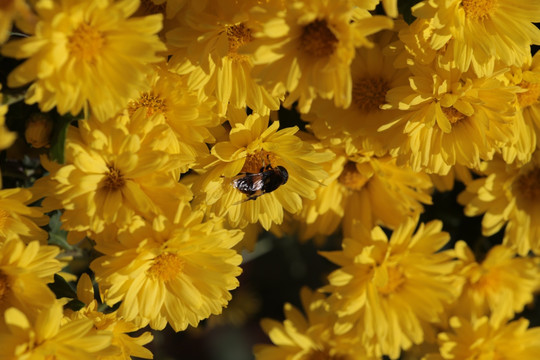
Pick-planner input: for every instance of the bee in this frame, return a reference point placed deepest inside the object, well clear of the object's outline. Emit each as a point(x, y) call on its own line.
point(265, 181)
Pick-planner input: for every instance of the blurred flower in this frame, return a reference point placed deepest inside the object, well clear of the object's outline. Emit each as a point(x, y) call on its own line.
point(38, 130)
point(86, 54)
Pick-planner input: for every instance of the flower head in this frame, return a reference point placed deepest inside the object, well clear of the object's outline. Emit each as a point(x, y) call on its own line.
point(86, 54)
point(388, 290)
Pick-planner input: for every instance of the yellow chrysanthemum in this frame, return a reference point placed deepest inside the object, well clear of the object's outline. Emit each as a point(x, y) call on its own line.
point(500, 286)
point(373, 74)
point(6, 137)
point(178, 270)
point(205, 46)
point(129, 346)
point(388, 290)
point(86, 53)
point(309, 337)
point(18, 220)
point(508, 194)
point(189, 117)
point(475, 33)
point(480, 339)
point(25, 271)
point(451, 118)
point(307, 48)
point(50, 336)
point(113, 170)
point(446, 182)
point(367, 189)
point(252, 146)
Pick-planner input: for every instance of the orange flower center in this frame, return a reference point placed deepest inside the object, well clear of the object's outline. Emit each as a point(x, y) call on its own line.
point(479, 9)
point(166, 267)
point(394, 281)
point(317, 39)
point(85, 43)
point(452, 115)
point(351, 178)
point(152, 103)
point(114, 180)
point(528, 186)
point(369, 93)
point(238, 35)
point(256, 161)
point(530, 97)
point(4, 286)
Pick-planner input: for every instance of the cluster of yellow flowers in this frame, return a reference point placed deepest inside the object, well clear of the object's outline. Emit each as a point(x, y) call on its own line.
point(175, 159)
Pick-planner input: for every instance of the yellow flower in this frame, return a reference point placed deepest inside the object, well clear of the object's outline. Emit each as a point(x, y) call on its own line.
point(86, 53)
point(252, 146)
point(310, 336)
point(475, 33)
point(451, 118)
point(50, 336)
point(11, 11)
point(129, 346)
point(6, 137)
point(508, 194)
point(388, 290)
point(205, 46)
point(480, 339)
point(18, 221)
point(112, 171)
point(38, 130)
point(446, 182)
point(25, 271)
point(177, 270)
point(368, 189)
point(188, 117)
point(307, 48)
point(500, 286)
point(373, 74)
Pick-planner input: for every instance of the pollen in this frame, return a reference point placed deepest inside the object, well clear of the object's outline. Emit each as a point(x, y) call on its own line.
point(531, 96)
point(453, 115)
point(479, 9)
point(256, 161)
point(351, 178)
point(238, 35)
point(4, 286)
point(151, 102)
point(165, 267)
point(527, 186)
point(394, 281)
point(86, 42)
point(114, 180)
point(369, 93)
point(317, 39)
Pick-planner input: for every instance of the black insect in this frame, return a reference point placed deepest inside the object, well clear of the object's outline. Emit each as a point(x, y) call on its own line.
point(263, 182)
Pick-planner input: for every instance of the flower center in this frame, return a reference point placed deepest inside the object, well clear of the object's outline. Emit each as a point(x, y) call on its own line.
point(114, 179)
point(317, 39)
point(256, 161)
point(152, 103)
point(369, 93)
point(166, 267)
point(530, 97)
point(528, 186)
point(489, 281)
point(479, 9)
point(452, 114)
point(4, 286)
point(237, 35)
point(85, 43)
point(394, 279)
point(322, 355)
point(351, 178)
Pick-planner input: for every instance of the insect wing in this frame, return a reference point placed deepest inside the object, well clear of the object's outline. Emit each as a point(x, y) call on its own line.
point(249, 183)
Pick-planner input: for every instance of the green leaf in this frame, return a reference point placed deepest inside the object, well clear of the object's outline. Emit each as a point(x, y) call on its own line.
point(61, 288)
point(58, 138)
point(57, 236)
